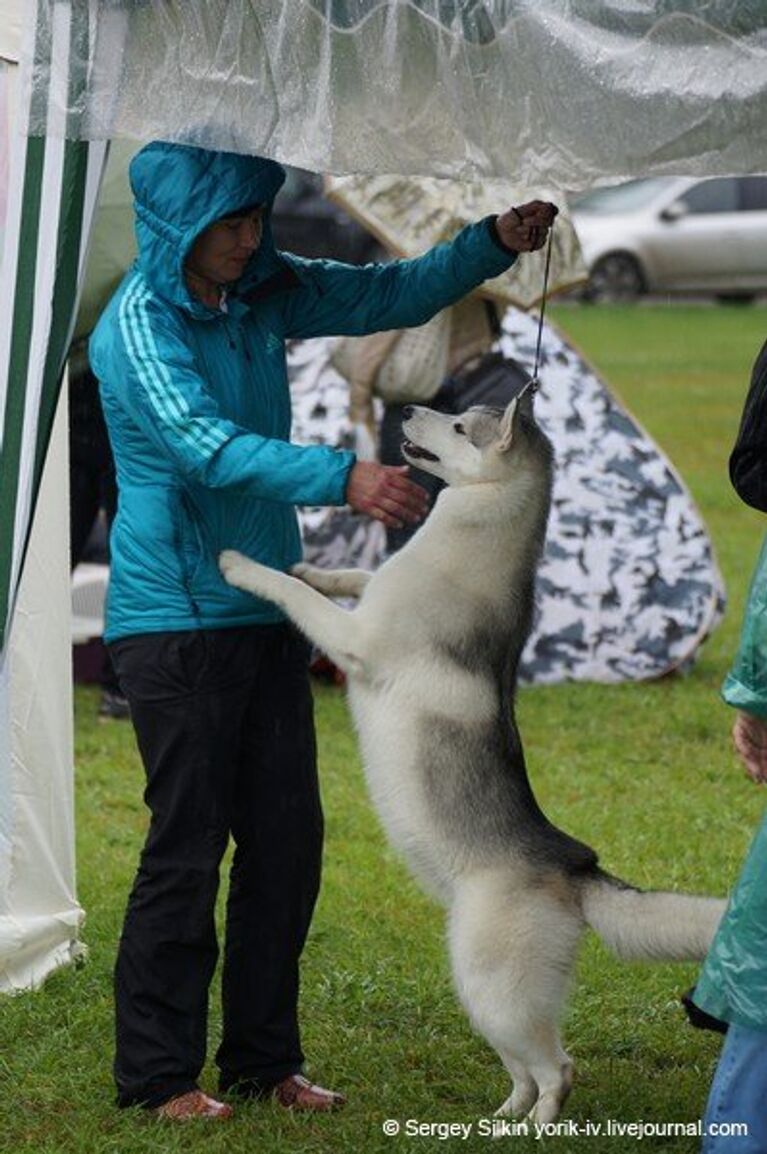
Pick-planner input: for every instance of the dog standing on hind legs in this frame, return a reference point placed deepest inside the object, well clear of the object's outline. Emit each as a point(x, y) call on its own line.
point(431, 652)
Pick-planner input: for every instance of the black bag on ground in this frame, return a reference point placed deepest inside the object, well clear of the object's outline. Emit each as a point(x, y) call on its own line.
point(494, 381)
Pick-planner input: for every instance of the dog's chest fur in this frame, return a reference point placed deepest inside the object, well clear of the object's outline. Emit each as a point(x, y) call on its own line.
point(447, 617)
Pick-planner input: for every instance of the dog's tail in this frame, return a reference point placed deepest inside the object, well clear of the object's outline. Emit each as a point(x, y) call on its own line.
point(649, 925)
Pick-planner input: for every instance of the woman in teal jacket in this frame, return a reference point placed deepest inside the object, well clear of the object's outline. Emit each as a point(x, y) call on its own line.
point(733, 984)
point(190, 355)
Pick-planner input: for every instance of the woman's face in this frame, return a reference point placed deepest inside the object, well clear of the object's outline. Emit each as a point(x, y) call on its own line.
point(222, 251)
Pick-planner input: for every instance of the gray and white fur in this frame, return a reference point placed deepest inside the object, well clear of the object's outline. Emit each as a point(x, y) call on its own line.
point(431, 652)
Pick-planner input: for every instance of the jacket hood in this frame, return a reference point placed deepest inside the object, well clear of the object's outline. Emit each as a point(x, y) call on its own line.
point(179, 191)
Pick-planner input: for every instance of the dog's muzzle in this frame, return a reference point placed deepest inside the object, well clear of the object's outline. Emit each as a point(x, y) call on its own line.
point(418, 452)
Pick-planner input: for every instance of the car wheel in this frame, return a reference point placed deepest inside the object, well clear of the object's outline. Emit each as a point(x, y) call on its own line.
point(615, 277)
point(735, 298)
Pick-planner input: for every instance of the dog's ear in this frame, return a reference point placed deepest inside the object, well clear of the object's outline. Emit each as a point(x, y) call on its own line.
point(506, 433)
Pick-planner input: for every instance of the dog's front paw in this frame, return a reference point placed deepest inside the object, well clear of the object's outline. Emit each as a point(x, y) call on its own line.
point(239, 570)
point(310, 575)
point(230, 560)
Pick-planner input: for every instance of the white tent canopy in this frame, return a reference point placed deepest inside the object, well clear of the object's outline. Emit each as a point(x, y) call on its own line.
point(553, 93)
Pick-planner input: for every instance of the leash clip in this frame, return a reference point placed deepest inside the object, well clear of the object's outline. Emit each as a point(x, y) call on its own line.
point(531, 387)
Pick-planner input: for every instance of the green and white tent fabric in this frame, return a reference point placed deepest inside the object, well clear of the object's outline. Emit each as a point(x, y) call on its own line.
point(50, 195)
point(547, 93)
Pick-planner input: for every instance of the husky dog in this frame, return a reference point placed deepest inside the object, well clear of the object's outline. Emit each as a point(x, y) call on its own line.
point(431, 653)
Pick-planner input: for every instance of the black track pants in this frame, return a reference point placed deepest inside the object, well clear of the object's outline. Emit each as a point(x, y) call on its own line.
point(225, 728)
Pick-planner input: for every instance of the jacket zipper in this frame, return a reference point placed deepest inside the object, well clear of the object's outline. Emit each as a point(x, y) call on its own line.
point(233, 343)
point(186, 579)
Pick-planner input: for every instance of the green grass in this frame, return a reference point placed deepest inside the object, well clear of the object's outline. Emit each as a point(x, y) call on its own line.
point(644, 772)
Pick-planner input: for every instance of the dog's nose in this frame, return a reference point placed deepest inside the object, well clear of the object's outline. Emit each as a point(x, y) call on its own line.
point(407, 412)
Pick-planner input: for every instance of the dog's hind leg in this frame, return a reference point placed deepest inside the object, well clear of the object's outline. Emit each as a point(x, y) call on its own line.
point(333, 582)
point(513, 949)
point(525, 1092)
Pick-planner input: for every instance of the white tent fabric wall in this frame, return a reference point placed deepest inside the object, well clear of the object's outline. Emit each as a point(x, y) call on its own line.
point(47, 205)
point(40, 917)
point(39, 914)
point(10, 47)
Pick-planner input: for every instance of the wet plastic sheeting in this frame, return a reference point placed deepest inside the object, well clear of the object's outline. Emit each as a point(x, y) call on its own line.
point(746, 684)
point(566, 93)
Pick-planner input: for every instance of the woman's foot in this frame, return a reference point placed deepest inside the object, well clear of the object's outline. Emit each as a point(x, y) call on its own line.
point(297, 1093)
point(193, 1104)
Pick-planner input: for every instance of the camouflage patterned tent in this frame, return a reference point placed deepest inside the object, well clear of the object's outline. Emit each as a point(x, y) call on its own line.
point(629, 586)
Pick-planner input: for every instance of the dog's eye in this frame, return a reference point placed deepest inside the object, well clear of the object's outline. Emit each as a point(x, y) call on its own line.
point(458, 428)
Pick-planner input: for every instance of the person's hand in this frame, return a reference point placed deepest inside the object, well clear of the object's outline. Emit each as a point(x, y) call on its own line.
point(749, 734)
point(525, 228)
point(386, 493)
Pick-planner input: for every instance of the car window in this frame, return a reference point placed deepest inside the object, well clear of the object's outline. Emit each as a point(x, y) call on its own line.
point(753, 193)
point(717, 195)
point(627, 197)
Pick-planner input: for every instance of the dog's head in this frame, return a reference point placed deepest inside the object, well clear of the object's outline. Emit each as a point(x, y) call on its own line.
point(482, 444)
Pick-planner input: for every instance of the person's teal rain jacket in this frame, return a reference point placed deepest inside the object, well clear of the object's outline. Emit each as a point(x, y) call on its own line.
point(196, 400)
point(733, 982)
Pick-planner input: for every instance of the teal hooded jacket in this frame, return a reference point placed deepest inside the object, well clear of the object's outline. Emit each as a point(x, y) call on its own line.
point(196, 400)
point(733, 983)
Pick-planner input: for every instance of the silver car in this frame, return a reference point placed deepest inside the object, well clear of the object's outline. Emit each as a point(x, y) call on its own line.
point(675, 235)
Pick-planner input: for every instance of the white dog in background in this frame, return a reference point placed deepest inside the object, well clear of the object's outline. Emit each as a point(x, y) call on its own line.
point(430, 653)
